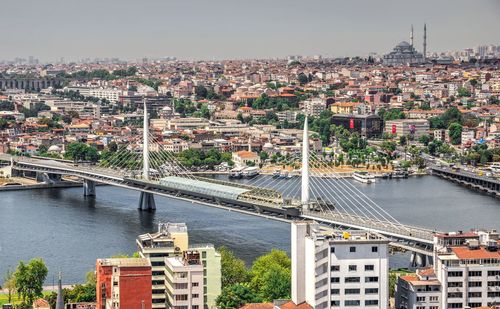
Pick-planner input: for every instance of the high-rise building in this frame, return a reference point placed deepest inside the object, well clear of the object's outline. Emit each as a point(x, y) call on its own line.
point(334, 269)
point(123, 283)
point(172, 240)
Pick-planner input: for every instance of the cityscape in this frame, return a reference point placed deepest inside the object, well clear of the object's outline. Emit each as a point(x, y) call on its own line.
point(196, 155)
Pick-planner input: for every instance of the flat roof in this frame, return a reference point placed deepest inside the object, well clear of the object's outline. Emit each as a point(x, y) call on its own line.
point(125, 262)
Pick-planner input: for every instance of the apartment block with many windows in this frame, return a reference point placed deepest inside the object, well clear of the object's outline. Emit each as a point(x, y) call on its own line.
point(335, 269)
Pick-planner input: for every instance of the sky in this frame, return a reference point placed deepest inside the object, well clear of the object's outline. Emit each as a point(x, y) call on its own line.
point(238, 29)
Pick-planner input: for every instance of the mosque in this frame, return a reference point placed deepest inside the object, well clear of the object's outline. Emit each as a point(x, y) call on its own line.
point(404, 53)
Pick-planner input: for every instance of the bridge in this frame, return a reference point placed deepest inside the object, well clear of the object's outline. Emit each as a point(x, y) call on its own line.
point(468, 179)
point(317, 192)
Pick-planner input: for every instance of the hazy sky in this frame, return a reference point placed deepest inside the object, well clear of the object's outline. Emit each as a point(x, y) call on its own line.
point(221, 29)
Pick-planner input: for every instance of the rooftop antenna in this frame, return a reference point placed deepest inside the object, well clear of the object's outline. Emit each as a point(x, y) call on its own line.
point(425, 42)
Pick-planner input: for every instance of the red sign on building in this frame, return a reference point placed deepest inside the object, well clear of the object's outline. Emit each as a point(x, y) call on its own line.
point(351, 123)
point(393, 129)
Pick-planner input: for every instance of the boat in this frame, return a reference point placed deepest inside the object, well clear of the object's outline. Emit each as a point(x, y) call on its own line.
point(251, 172)
point(283, 175)
point(289, 176)
point(276, 173)
point(399, 173)
point(363, 177)
point(236, 173)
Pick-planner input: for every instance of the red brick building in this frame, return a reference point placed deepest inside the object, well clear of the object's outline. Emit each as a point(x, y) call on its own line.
point(123, 283)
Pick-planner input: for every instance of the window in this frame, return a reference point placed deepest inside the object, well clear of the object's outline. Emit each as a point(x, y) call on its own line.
point(195, 295)
point(493, 283)
point(352, 303)
point(352, 279)
point(374, 249)
point(371, 291)
point(203, 254)
point(195, 284)
point(433, 299)
point(351, 291)
point(475, 294)
point(493, 272)
point(455, 284)
point(455, 295)
point(372, 302)
point(420, 307)
point(335, 291)
point(332, 249)
point(195, 307)
point(369, 267)
point(335, 303)
point(335, 268)
point(420, 298)
point(475, 284)
point(334, 279)
point(475, 305)
point(181, 297)
point(352, 249)
point(455, 274)
point(180, 286)
point(353, 267)
point(455, 305)
point(371, 279)
point(475, 273)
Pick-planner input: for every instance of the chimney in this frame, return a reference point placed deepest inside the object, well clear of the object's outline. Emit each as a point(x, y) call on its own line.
point(425, 42)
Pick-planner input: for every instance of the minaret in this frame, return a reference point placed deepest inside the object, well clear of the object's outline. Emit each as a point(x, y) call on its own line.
point(145, 144)
point(425, 42)
point(305, 167)
point(60, 297)
point(411, 36)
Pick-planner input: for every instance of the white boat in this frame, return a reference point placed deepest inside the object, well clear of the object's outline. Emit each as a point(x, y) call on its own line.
point(251, 171)
point(363, 177)
point(236, 172)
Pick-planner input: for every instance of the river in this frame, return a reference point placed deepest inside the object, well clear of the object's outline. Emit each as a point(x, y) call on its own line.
point(70, 232)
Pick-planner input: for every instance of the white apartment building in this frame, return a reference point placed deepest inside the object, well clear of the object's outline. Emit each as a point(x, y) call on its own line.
point(314, 107)
point(334, 269)
point(184, 281)
point(468, 267)
point(466, 274)
point(172, 240)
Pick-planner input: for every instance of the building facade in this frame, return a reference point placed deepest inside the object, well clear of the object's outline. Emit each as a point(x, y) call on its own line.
point(406, 127)
point(332, 269)
point(123, 283)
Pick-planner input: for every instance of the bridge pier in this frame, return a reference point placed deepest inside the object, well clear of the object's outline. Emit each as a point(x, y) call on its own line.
point(47, 177)
point(147, 201)
point(420, 260)
point(88, 187)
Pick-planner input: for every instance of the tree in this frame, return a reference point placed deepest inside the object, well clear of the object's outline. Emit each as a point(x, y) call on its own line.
point(233, 269)
point(29, 279)
point(274, 266)
point(42, 149)
point(424, 139)
point(9, 284)
point(455, 130)
point(201, 91)
point(463, 92)
point(235, 296)
point(263, 156)
point(302, 78)
point(113, 146)
point(402, 140)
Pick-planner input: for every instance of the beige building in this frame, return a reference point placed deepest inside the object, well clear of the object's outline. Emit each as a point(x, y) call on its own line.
point(245, 158)
point(184, 285)
point(405, 127)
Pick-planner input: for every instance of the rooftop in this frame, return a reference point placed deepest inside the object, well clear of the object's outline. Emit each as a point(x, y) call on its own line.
point(124, 262)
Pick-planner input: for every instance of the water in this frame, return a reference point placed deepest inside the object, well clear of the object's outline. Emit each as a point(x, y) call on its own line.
point(70, 232)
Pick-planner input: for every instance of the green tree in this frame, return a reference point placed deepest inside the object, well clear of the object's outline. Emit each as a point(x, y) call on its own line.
point(9, 284)
point(302, 78)
point(201, 91)
point(455, 130)
point(263, 156)
point(235, 296)
point(233, 269)
point(463, 92)
point(424, 139)
point(29, 279)
point(42, 149)
point(113, 146)
point(274, 266)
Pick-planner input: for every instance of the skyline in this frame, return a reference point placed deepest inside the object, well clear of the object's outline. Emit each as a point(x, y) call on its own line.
point(196, 30)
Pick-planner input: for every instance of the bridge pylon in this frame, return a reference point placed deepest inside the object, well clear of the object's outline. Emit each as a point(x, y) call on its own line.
point(146, 200)
point(88, 187)
point(305, 198)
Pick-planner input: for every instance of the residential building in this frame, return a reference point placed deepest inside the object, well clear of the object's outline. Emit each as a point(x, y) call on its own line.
point(405, 127)
point(123, 283)
point(335, 269)
point(184, 281)
point(418, 291)
point(172, 240)
point(314, 107)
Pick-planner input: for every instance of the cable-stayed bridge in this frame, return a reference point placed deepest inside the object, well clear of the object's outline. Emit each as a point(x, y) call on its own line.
point(314, 192)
